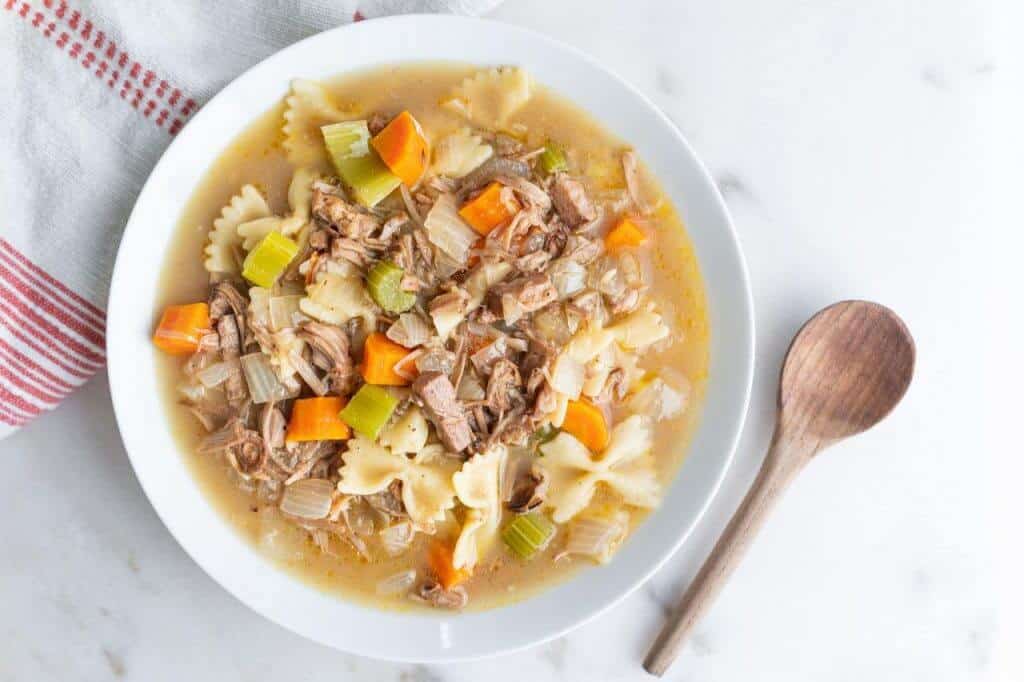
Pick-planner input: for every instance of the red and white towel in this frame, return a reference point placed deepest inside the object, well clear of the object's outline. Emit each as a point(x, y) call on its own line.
point(91, 92)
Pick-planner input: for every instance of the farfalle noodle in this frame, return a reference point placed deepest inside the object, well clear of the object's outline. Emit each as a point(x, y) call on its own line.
point(427, 489)
point(626, 466)
point(248, 205)
point(477, 486)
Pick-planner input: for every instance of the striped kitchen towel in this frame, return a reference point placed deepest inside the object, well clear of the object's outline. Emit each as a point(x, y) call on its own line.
point(92, 91)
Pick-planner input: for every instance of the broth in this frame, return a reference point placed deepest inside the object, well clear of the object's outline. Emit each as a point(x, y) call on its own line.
point(256, 156)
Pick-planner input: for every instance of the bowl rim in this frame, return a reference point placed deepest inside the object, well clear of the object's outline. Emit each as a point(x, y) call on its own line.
point(123, 337)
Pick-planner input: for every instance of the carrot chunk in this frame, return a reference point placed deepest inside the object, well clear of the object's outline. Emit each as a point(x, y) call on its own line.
point(181, 327)
point(625, 233)
point(439, 558)
point(380, 355)
point(403, 147)
point(486, 211)
point(587, 423)
point(317, 419)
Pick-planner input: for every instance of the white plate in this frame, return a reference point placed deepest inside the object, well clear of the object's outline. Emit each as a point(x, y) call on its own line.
point(160, 466)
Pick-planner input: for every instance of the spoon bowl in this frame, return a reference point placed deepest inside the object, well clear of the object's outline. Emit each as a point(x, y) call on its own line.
point(845, 371)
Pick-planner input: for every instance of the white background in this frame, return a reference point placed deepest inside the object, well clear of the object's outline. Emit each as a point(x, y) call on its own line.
point(866, 149)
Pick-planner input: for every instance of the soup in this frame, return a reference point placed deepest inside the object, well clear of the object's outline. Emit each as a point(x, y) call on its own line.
point(430, 337)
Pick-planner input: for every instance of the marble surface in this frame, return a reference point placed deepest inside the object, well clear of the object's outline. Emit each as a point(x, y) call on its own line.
point(849, 139)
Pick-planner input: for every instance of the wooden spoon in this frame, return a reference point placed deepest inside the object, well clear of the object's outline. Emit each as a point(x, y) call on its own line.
point(845, 371)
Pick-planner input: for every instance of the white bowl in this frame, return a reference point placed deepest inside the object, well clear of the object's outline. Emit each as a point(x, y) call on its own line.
point(208, 538)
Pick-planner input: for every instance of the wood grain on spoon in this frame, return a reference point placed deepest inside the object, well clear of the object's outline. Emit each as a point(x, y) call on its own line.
point(846, 369)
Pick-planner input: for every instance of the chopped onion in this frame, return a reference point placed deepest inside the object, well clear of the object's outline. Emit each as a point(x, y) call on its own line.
point(409, 330)
point(658, 400)
point(485, 358)
point(567, 376)
point(227, 436)
point(511, 309)
point(640, 328)
point(604, 276)
point(518, 345)
point(290, 288)
point(309, 498)
point(483, 278)
point(568, 277)
point(396, 538)
point(470, 388)
point(360, 520)
point(194, 393)
point(259, 313)
point(264, 386)
point(552, 323)
point(404, 367)
point(631, 269)
point(397, 583)
point(282, 311)
point(438, 360)
point(445, 321)
point(597, 537)
point(216, 374)
point(484, 330)
point(447, 231)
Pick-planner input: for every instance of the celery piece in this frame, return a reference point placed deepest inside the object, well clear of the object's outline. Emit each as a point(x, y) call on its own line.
point(552, 159)
point(359, 166)
point(346, 140)
point(369, 410)
point(268, 259)
point(544, 434)
point(384, 282)
point(528, 534)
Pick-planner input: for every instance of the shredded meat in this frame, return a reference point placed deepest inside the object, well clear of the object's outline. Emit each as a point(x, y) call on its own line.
point(244, 448)
point(377, 122)
point(432, 593)
point(225, 299)
point(334, 211)
point(388, 501)
point(571, 201)
point(320, 239)
point(392, 226)
point(444, 410)
point(250, 455)
point(615, 387)
point(625, 302)
point(357, 252)
point(631, 171)
point(531, 194)
point(332, 344)
point(533, 262)
point(511, 300)
point(581, 249)
point(528, 491)
point(485, 358)
point(230, 347)
point(502, 387)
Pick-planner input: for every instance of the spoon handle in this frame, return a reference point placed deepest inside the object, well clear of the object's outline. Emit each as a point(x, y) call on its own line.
point(784, 460)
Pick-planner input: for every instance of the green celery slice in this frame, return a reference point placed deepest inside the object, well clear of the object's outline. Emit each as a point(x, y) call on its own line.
point(268, 259)
point(552, 159)
point(369, 410)
point(362, 170)
point(528, 534)
point(544, 434)
point(384, 282)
